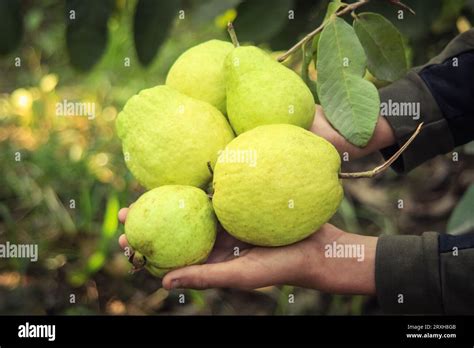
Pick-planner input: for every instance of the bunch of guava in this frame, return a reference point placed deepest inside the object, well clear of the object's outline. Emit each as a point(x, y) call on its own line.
point(225, 141)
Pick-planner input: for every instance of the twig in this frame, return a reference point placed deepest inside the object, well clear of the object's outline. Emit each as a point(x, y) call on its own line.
point(402, 5)
point(384, 166)
point(349, 8)
point(233, 35)
point(307, 58)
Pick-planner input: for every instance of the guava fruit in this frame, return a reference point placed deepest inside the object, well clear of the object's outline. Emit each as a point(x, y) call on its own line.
point(276, 184)
point(170, 227)
point(262, 91)
point(168, 138)
point(199, 73)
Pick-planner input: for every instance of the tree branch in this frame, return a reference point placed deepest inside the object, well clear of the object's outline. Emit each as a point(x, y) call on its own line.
point(349, 8)
point(384, 166)
point(402, 5)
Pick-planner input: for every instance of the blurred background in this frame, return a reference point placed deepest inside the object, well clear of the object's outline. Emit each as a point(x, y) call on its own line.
point(63, 179)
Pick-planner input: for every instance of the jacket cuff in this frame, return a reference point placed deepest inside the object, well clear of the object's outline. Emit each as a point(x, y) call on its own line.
point(435, 137)
point(407, 276)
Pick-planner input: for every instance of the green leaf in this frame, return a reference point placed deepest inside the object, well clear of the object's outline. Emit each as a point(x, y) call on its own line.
point(414, 27)
point(307, 59)
point(95, 262)
point(110, 223)
point(11, 25)
point(86, 31)
point(383, 45)
point(258, 21)
point(198, 298)
point(349, 216)
point(152, 23)
point(77, 278)
point(462, 218)
point(315, 46)
point(333, 7)
point(350, 103)
point(58, 211)
point(282, 300)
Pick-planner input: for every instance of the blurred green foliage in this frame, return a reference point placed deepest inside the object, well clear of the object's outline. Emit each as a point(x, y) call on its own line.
point(63, 179)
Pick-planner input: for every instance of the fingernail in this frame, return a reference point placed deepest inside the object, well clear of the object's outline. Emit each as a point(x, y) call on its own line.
point(175, 283)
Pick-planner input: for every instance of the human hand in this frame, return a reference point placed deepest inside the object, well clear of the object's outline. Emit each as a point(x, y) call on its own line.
point(383, 136)
point(301, 264)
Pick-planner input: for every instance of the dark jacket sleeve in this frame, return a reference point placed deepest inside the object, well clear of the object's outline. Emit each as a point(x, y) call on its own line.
point(428, 274)
point(432, 273)
point(443, 90)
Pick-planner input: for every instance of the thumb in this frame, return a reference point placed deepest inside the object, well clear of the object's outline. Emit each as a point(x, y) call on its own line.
point(227, 274)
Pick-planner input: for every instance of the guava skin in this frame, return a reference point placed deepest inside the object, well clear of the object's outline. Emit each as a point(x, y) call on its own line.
point(171, 226)
point(290, 192)
point(261, 91)
point(168, 138)
point(199, 73)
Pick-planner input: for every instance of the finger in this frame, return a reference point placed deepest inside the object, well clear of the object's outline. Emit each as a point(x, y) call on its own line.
point(123, 241)
point(122, 215)
point(230, 274)
point(239, 273)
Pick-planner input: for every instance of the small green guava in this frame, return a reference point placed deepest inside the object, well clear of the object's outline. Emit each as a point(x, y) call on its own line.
point(276, 184)
point(170, 227)
point(169, 138)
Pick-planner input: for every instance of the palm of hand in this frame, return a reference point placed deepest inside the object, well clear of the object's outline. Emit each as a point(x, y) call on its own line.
point(236, 264)
point(227, 248)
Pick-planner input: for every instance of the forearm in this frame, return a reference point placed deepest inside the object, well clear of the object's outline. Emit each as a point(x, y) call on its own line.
point(340, 262)
point(352, 275)
point(428, 274)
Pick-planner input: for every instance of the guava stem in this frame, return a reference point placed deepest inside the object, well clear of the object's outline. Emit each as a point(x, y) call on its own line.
point(346, 9)
point(383, 167)
point(233, 35)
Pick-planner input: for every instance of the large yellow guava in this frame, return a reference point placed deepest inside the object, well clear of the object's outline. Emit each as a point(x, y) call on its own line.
point(276, 185)
point(168, 138)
